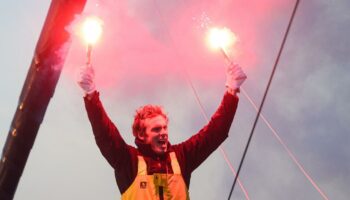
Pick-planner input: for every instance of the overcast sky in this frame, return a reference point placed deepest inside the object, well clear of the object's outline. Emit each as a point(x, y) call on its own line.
point(150, 51)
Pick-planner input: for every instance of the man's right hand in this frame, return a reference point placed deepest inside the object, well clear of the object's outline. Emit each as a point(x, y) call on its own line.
point(86, 78)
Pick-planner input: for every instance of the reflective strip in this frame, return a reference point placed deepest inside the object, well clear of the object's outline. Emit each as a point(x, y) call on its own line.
point(174, 164)
point(142, 167)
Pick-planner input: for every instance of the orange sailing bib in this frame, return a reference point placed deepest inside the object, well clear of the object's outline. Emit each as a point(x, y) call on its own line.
point(158, 186)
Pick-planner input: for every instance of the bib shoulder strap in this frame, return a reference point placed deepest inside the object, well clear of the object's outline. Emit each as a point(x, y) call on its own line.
point(174, 163)
point(141, 166)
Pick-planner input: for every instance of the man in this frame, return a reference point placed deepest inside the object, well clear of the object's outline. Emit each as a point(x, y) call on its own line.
point(156, 169)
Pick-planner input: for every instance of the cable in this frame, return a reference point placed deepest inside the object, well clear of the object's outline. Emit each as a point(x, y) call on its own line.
point(264, 97)
point(284, 145)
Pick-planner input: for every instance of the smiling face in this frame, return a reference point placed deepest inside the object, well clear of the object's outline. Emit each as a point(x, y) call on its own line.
point(156, 134)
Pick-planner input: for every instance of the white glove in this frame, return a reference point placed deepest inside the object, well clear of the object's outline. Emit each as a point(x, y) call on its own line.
point(234, 76)
point(86, 79)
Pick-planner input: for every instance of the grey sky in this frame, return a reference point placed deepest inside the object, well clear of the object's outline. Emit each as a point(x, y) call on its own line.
point(138, 62)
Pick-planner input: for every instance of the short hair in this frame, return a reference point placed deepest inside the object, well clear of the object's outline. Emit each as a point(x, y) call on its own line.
point(145, 112)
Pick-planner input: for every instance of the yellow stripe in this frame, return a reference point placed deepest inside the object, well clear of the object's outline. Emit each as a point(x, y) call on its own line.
point(142, 167)
point(174, 164)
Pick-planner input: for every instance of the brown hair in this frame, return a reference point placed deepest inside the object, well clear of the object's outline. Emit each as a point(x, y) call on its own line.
point(144, 112)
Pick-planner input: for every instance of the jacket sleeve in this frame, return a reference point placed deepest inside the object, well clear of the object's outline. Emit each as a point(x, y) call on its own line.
point(197, 148)
point(107, 136)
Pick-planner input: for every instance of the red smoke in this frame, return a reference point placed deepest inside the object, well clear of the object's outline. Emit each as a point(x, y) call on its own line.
point(146, 44)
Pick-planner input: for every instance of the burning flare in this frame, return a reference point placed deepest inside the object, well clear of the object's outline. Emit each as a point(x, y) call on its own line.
point(92, 30)
point(221, 38)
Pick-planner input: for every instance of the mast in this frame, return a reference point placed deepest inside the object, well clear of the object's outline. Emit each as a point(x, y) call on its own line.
point(38, 88)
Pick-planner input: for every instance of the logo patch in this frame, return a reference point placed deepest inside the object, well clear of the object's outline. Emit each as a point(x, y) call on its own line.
point(143, 184)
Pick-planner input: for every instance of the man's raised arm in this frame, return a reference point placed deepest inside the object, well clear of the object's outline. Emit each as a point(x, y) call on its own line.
point(197, 148)
point(107, 136)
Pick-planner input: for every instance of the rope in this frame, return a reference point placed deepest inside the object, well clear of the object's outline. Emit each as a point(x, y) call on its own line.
point(264, 97)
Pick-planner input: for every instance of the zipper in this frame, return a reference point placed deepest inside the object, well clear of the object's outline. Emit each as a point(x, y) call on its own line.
point(161, 193)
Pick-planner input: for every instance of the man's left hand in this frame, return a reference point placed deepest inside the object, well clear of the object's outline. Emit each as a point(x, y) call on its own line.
point(234, 77)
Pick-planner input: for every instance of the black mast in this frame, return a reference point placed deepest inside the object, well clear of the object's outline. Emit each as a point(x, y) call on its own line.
point(37, 91)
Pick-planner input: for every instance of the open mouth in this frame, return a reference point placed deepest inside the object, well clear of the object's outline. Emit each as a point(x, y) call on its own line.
point(160, 145)
point(162, 142)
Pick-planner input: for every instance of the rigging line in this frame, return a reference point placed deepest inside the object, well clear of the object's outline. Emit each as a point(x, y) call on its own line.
point(222, 150)
point(286, 148)
point(274, 132)
point(264, 97)
point(268, 124)
point(197, 98)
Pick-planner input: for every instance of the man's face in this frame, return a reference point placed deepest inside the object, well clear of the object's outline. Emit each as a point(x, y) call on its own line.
point(156, 133)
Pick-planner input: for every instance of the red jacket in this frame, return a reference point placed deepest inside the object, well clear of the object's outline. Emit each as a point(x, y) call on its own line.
point(190, 153)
